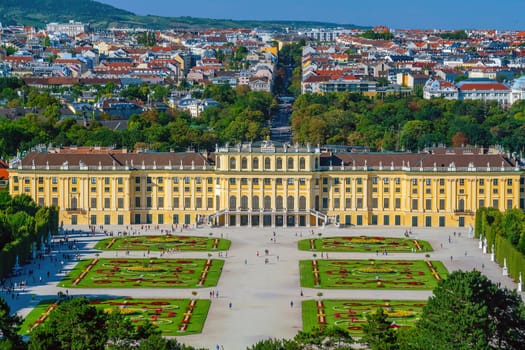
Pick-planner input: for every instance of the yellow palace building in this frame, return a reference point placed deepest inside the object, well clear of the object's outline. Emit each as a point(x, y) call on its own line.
point(268, 185)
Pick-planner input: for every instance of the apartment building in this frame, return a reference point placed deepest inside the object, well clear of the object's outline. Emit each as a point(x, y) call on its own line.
point(269, 185)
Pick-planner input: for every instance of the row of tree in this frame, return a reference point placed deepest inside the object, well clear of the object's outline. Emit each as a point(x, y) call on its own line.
point(22, 223)
point(390, 124)
point(506, 233)
point(412, 123)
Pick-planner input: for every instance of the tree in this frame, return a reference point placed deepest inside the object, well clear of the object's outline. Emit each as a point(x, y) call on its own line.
point(120, 331)
point(378, 333)
point(275, 344)
point(9, 326)
point(468, 311)
point(455, 35)
point(46, 42)
point(75, 325)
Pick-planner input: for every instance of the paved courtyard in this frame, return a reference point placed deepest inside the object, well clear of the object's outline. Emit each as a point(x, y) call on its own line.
point(259, 287)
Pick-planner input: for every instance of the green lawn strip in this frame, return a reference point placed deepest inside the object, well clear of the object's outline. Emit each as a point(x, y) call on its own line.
point(163, 243)
point(34, 315)
point(351, 314)
point(364, 244)
point(144, 273)
point(166, 314)
point(371, 274)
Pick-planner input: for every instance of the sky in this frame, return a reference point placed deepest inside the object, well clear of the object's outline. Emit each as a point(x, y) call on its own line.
point(400, 14)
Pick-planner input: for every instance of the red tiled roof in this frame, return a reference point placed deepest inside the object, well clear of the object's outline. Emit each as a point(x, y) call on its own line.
point(481, 86)
point(18, 58)
point(316, 79)
point(67, 60)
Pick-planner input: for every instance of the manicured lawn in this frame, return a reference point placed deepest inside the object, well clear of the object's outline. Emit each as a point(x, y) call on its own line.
point(166, 314)
point(351, 314)
point(164, 243)
point(144, 273)
point(34, 315)
point(363, 244)
point(371, 274)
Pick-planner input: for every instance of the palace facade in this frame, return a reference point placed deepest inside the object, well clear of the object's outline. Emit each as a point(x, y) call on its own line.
point(269, 185)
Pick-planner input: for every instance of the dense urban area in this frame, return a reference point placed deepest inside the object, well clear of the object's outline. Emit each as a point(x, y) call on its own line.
point(181, 163)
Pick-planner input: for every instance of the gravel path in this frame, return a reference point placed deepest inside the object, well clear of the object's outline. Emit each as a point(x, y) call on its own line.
point(259, 287)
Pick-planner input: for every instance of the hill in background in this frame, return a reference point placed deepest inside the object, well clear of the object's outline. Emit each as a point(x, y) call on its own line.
point(38, 13)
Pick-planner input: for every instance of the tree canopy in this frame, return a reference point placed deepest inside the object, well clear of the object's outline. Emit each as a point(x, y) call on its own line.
point(413, 123)
point(9, 326)
point(468, 311)
point(75, 324)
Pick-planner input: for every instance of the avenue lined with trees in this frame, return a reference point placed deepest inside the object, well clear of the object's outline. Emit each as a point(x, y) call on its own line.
point(22, 222)
point(391, 124)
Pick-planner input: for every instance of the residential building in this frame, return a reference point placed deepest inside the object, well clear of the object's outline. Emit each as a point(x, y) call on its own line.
point(440, 89)
point(71, 28)
point(474, 89)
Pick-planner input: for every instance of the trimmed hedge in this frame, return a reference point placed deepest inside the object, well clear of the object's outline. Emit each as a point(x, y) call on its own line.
point(44, 220)
point(497, 228)
point(515, 260)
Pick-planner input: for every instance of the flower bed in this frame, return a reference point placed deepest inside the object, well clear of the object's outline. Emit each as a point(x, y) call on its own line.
point(166, 314)
point(371, 274)
point(163, 243)
point(364, 244)
point(129, 273)
point(351, 314)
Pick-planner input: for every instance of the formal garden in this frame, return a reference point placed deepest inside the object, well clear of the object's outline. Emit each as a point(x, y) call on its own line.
point(351, 315)
point(163, 243)
point(371, 274)
point(365, 244)
point(171, 316)
point(144, 273)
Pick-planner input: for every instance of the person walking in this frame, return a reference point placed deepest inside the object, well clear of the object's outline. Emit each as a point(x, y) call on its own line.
point(230, 305)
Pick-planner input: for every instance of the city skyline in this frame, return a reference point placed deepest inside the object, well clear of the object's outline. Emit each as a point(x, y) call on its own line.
point(404, 14)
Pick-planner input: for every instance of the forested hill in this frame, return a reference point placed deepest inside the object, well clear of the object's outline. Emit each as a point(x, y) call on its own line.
point(38, 13)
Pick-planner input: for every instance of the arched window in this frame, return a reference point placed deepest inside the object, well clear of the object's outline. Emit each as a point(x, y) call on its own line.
point(290, 203)
point(279, 202)
point(232, 163)
point(302, 163)
point(255, 202)
point(244, 202)
point(290, 163)
point(244, 163)
point(255, 163)
point(302, 203)
point(233, 203)
point(279, 163)
point(267, 163)
point(267, 202)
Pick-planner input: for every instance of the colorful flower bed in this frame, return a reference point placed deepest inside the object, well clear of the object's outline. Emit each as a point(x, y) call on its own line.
point(364, 244)
point(164, 243)
point(351, 314)
point(144, 273)
point(171, 316)
point(371, 274)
